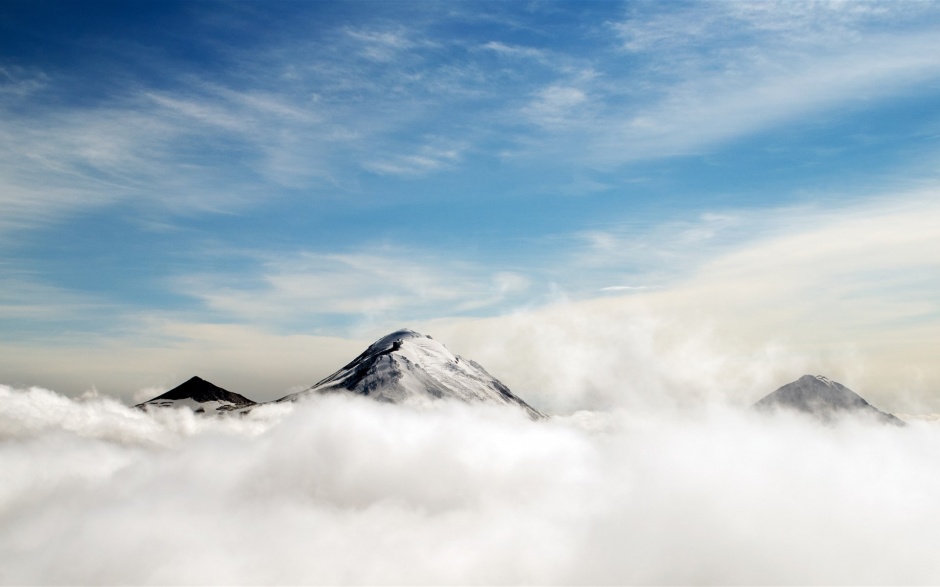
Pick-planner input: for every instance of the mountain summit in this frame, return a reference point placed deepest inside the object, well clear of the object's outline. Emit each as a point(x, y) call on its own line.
point(406, 365)
point(201, 396)
point(823, 398)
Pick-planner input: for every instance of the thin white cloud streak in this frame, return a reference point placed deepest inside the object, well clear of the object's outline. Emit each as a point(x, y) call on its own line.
point(776, 22)
point(425, 160)
point(18, 83)
point(514, 51)
point(23, 296)
point(671, 250)
point(347, 491)
point(386, 45)
point(700, 113)
point(84, 158)
point(379, 285)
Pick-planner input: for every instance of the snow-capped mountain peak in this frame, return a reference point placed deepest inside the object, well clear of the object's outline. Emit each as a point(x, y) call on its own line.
point(398, 336)
point(406, 366)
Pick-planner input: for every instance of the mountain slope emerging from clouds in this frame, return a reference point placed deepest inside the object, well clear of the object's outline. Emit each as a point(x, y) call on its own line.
point(823, 398)
point(200, 396)
point(406, 366)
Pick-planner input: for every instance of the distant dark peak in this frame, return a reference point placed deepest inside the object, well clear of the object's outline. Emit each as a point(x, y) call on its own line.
point(200, 390)
point(823, 398)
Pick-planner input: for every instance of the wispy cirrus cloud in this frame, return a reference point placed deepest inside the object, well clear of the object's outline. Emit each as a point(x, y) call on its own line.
point(266, 121)
point(136, 149)
point(510, 50)
point(427, 159)
point(385, 45)
point(315, 113)
point(693, 79)
point(715, 108)
point(379, 286)
point(26, 299)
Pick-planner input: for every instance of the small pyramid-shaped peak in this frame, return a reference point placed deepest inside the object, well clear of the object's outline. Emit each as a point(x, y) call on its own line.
point(821, 397)
point(199, 390)
point(195, 382)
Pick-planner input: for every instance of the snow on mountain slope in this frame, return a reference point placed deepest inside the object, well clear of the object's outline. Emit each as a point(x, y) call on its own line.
point(405, 365)
point(823, 398)
point(201, 397)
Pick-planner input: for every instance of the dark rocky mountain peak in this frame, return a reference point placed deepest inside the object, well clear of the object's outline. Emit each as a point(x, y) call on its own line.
point(201, 396)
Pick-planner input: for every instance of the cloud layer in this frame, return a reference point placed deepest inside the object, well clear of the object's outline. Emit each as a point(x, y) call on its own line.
point(345, 490)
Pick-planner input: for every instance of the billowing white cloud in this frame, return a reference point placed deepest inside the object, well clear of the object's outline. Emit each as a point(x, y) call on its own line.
point(349, 491)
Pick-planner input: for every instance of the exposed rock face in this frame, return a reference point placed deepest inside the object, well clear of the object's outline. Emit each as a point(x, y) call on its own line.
point(823, 398)
point(406, 365)
point(201, 396)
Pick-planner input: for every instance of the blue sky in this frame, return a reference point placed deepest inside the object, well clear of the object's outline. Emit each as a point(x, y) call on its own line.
point(341, 169)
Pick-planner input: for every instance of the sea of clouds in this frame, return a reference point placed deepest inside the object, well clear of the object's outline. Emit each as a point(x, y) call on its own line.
point(347, 490)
